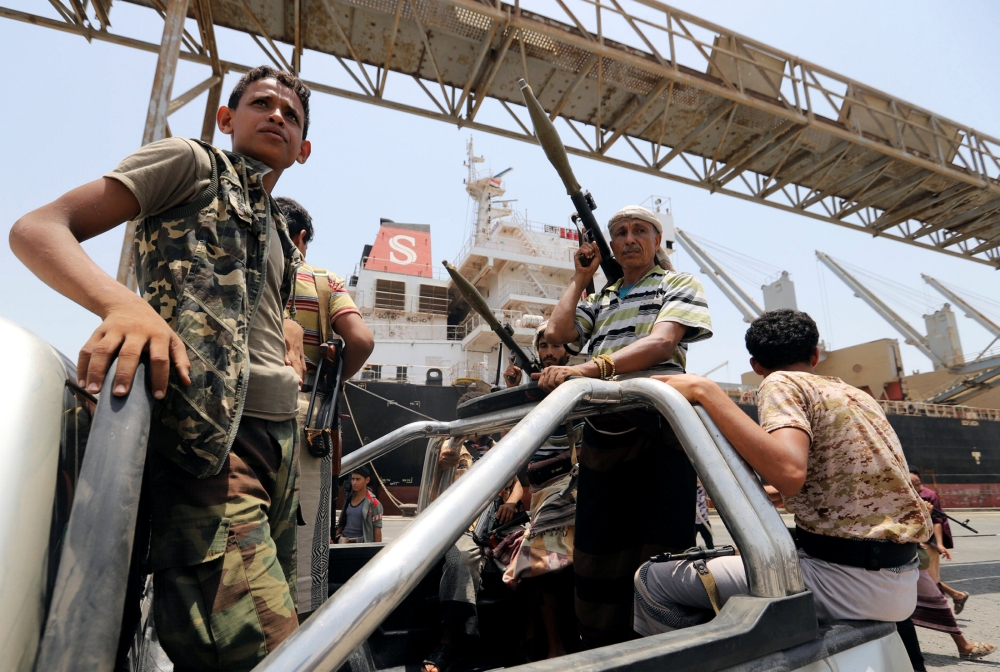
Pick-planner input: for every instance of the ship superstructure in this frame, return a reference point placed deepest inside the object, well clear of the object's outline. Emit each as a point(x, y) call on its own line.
point(424, 330)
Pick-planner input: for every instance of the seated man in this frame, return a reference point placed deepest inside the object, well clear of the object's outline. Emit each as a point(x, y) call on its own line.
point(461, 575)
point(828, 450)
point(547, 546)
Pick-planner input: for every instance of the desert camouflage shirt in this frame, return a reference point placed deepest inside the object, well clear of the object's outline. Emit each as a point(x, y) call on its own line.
point(857, 482)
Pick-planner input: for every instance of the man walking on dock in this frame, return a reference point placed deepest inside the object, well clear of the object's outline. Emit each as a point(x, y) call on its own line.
point(642, 322)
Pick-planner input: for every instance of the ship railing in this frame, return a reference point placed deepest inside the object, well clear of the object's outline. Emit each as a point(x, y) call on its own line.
point(529, 288)
point(436, 273)
point(776, 592)
point(386, 305)
point(940, 410)
point(418, 331)
point(512, 245)
point(744, 394)
point(476, 370)
point(474, 320)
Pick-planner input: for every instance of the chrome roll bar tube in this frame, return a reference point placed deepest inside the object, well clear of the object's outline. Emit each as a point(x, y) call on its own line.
point(342, 625)
point(390, 442)
point(424, 428)
point(344, 622)
point(784, 545)
point(84, 620)
point(763, 562)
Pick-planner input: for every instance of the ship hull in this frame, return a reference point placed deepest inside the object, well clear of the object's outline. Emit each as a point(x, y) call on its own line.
point(960, 459)
point(375, 408)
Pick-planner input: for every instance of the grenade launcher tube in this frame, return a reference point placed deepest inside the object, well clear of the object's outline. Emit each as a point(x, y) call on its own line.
point(552, 144)
point(526, 362)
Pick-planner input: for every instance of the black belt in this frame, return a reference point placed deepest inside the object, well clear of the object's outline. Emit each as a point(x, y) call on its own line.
point(871, 554)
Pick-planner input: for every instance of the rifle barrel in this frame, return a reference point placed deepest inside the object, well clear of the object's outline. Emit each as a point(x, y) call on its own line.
point(478, 304)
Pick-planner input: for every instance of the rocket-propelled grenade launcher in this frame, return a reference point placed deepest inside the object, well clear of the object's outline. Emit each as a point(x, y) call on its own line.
point(548, 138)
point(527, 363)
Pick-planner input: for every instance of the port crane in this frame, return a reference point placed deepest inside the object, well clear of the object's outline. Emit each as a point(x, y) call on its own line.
point(736, 294)
point(941, 344)
point(981, 381)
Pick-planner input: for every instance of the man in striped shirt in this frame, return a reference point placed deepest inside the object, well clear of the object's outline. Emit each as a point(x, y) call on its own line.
point(316, 473)
point(642, 322)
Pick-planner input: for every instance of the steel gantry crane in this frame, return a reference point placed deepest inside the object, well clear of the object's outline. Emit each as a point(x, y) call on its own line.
point(941, 346)
point(636, 84)
point(750, 309)
point(970, 312)
point(981, 381)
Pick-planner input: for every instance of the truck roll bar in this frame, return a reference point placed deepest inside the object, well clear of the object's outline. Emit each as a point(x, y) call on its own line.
point(85, 615)
point(763, 562)
point(773, 524)
point(489, 422)
point(33, 403)
point(329, 637)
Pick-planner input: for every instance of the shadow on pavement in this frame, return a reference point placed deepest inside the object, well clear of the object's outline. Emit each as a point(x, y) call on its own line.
point(936, 660)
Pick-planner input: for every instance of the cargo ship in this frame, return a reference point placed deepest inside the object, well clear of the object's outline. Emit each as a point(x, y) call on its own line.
point(430, 348)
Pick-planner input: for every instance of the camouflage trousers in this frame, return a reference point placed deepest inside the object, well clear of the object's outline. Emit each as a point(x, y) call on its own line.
point(222, 551)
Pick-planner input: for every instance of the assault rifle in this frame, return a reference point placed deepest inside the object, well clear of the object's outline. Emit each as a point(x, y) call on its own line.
point(695, 553)
point(548, 138)
point(964, 523)
point(322, 436)
point(527, 363)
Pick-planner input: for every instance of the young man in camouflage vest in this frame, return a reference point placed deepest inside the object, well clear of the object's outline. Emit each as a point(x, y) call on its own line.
point(828, 451)
point(214, 264)
point(319, 303)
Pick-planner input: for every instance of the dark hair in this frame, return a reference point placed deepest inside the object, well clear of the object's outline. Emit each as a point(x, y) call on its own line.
point(296, 217)
point(286, 78)
point(470, 395)
point(362, 471)
point(915, 471)
point(782, 337)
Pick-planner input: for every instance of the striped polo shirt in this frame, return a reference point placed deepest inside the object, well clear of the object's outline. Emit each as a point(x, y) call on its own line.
point(558, 442)
point(610, 323)
point(303, 307)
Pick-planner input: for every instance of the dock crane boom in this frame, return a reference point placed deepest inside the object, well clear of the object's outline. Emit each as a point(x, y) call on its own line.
point(985, 372)
point(911, 335)
point(983, 380)
point(968, 388)
point(970, 312)
point(744, 302)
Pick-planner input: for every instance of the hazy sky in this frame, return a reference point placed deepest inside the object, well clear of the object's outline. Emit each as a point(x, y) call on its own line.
point(74, 109)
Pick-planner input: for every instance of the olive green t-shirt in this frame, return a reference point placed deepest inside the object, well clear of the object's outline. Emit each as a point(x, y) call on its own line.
point(168, 173)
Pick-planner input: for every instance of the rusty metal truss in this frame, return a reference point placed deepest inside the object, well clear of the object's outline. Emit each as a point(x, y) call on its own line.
point(632, 83)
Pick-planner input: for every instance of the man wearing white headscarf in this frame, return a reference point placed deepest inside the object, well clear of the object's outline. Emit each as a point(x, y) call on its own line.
point(642, 322)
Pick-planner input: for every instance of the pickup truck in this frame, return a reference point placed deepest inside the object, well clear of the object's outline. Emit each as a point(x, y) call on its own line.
point(72, 595)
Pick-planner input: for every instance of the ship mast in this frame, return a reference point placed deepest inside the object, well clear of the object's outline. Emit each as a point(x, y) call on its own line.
point(483, 188)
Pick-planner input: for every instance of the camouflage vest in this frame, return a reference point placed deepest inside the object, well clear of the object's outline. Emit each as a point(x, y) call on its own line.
point(202, 267)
